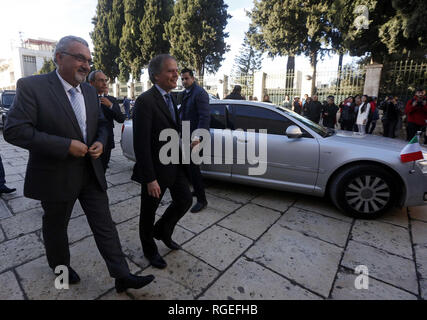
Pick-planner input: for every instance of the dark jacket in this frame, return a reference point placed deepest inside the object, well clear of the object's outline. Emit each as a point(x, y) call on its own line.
point(234, 96)
point(41, 120)
point(329, 115)
point(314, 109)
point(112, 114)
point(195, 108)
point(151, 115)
point(297, 107)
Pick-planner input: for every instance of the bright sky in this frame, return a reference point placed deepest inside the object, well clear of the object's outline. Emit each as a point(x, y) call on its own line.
point(53, 19)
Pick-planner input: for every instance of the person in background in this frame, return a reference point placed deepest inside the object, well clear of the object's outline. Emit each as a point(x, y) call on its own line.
point(110, 108)
point(314, 110)
point(329, 113)
point(266, 98)
point(416, 112)
point(297, 105)
point(236, 94)
point(363, 113)
point(390, 116)
point(348, 114)
point(305, 107)
point(287, 102)
point(372, 121)
point(126, 106)
point(304, 100)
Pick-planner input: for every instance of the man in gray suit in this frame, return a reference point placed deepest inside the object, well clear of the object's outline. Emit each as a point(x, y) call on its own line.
point(57, 117)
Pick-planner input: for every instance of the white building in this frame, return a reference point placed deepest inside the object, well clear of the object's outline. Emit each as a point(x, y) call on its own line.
point(26, 60)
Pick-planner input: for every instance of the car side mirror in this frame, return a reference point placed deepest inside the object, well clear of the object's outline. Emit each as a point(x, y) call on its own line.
point(293, 132)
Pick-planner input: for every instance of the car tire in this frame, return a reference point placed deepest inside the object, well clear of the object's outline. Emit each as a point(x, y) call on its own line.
point(364, 191)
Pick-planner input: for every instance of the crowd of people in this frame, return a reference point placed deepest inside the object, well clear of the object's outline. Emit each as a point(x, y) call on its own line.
point(360, 113)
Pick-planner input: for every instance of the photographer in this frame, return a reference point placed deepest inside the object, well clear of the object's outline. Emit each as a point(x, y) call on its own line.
point(416, 112)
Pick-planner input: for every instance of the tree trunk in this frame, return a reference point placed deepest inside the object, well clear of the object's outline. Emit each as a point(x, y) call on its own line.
point(313, 62)
point(290, 72)
point(339, 72)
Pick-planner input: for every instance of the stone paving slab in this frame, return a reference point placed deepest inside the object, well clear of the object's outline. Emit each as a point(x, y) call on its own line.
point(77, 210)
point(119, 178)
point(20, 250)
point(421, 258)
point(323, 206)
point(125, 210)
point(4, 210)
point(344, 289)
point(419, 232)
point(78, 228)
point(38, 279)
point(260, 220)
point(23, 204)
point(197, 222)
point(423, 286)
point(383, 266)
point(113, 295)
point(123, 192)
point(10, 289)
point(184, 278)
point(396, 216)
point(241, 194)
point(419, 213)
point(19, 186)
point(222, 204)
point(383, 236)
point(218, 246)
point(277, 200)
point(310, 262)
point(23, 223)
point(13, 178)
point(131, 244)
point(247, 280)
point(316, 225)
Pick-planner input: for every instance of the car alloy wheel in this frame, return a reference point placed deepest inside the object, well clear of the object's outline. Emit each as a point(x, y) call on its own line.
point(368, 194)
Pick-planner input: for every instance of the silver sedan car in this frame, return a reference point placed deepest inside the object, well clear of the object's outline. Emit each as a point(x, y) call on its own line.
point(361, 173)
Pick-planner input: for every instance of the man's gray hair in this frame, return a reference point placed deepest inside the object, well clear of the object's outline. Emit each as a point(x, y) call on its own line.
point(156, 65)
point(64, 43)
point(92, 75)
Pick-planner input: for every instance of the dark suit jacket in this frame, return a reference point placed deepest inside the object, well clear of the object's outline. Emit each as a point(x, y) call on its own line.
point(41, 120)
point(151, 115)
point(195, 108)
point(112, 114)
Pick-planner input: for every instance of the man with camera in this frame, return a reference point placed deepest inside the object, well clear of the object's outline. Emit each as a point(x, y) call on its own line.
point(416, 113)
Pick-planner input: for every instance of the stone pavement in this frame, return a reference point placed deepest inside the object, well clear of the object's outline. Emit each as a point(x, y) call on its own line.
point(250, 243)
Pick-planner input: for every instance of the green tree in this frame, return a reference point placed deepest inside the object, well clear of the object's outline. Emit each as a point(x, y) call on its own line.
point(48, 66)
point(103, 55)
point(293, 27)
point(249, 59)
point(130, 51)
point(156, 14)
point(391, 26)
point(196, 33)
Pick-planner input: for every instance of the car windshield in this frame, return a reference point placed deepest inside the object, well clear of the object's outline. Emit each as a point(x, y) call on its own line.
point(324, 132)
point(7, 99)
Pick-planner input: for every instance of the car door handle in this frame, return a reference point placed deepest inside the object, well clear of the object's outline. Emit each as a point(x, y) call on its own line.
point(243, 141)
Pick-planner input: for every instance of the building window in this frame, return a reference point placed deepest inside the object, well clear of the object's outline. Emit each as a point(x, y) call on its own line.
point(30, 67)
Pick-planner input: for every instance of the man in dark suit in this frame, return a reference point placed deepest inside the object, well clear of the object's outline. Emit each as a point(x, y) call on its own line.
point(110, 108)
point(155, 110)
point(195, 108)
point(57, 117)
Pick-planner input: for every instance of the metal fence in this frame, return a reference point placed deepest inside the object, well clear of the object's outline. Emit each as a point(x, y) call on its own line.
point(402, 78)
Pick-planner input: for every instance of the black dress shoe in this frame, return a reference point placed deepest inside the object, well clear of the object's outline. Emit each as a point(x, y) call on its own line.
point(157, 261)
point(199, 206)
point(73, 277)
point(168, 242)
point(4, 189)
point(132, 282)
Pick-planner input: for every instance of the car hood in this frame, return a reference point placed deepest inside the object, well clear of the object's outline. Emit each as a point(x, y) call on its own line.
point(369, 140)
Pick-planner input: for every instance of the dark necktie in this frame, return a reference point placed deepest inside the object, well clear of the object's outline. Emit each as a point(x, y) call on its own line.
point(170, 106)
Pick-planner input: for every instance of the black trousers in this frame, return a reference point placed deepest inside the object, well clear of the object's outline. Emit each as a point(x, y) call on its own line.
point(197, 182)
point(389, 127)
point(411, 131)
point(2, 174)
point(105, 157)
point(181, 202)
point(94, 202)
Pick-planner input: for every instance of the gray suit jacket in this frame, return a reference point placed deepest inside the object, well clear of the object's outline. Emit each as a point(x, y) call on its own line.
point(42, 121)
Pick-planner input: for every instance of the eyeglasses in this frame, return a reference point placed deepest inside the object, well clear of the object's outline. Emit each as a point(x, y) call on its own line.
point(79, 58)
point(103, 80)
